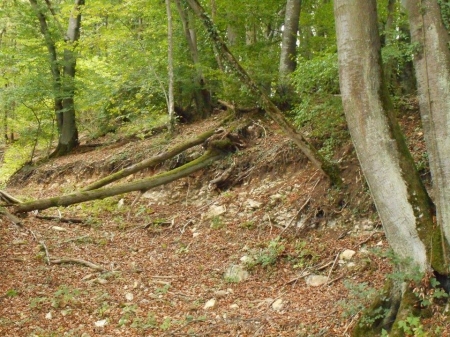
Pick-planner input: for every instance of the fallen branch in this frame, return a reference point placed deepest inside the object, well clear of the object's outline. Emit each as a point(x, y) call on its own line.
point(78, 261)
point(8, 198)
point(139, 185)
point(150, 162)
point(15, 220)
point(57, 218)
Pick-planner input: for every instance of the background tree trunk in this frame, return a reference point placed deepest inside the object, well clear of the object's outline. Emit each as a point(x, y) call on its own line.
point(170, 102)
point(432, 67)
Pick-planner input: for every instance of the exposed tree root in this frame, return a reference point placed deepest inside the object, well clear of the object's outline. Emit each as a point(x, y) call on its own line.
point(78, 261)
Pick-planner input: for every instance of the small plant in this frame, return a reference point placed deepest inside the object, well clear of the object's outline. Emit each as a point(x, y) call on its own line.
point(412, 327)
point(250, 224)
point(166, 324)
point(128, 312)
point(65, 296)
point(145, 323)
point(11, 293)
point(36, 302)
point(162, 290)
point(267, 256)
point(217, 223)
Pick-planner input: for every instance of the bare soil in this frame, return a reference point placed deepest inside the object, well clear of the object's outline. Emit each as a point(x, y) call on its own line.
point(159, 260)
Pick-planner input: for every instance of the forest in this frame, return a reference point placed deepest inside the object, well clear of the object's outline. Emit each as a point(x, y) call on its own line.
point(278, 138)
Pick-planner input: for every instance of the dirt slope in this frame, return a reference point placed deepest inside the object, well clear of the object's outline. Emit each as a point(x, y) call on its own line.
point(166, 259)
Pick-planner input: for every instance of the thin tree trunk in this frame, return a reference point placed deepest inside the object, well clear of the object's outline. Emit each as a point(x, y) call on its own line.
point(432, 67)
point(170, 103)
point(223, 52)
point(201, 95)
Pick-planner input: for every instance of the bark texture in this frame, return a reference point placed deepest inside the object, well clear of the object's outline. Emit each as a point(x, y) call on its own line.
point(382, 152)
point(432, 67)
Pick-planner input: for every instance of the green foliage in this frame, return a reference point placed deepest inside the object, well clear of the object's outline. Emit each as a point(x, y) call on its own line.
point(412, 326)
point(267, 256)
point(359, 298)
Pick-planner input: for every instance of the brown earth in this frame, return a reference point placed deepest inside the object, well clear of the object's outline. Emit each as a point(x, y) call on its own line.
point(161, 258)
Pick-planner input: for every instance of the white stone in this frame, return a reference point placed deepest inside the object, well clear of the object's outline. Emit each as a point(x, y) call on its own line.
point(347, 254)
point(100, 324)
point(220, 293)
point(351, 265)
point(234, 306)
point(210, 304)
point(253, 204)
point(129, 296)
point(214, 210)
point(49, 315)
point(316, 280)
point(278, 304)
point(59, 229)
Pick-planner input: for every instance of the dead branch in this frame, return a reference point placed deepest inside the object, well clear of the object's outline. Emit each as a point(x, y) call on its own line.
point(59, 219)
point(151, 162)
point(139, 185)
point(78, 261)
point(8, 198)
point(15, 220)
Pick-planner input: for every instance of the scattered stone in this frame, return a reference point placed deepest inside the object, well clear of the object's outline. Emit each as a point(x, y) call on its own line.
point(49, 315)
point(102, 281)
point(347, 254)
point(234, 306)
point(101, 323)
point(380, 243)
point(214, 210)
point(221, 293)
point(210, 304)
point(59, 229)
point(129, 296)
point(236, 273)
point(278, 305)
point(120, 203)
point(195, 234)
point(351, 265)
point(316, 280)
point(246, 259)
point(253, 204)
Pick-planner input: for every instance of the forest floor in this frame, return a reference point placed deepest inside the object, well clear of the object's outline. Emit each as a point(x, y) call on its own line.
point(273, 251)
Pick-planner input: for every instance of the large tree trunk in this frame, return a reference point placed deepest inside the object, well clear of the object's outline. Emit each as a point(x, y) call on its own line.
point(139, 185)
point(230, 61)
point(68, 138)
point(400, 197)
point(432, 66)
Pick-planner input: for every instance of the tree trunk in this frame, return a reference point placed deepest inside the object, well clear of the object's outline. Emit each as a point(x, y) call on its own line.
point(150, 162)
point(170, 103)
point(288, 50)
point(201, 95)
point(223, 52)
point(432, 67)
point(68, 138)
point(140, 185)
point(407, 214)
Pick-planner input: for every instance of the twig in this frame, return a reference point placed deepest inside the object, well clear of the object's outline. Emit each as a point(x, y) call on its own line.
point(296, 215)
point(351, 322)
point(47, 255)
point(332, 267)
point(8, 198)
point(57, 218)
point(78, 261)
point(15, 220)
point(297, 278)
point(141, 193)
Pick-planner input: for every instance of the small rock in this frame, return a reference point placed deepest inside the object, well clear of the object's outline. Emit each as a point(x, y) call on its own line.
point(278, 305)
point(253, 204)
point(236, 273)
point(59, 229)
point(316, 280)
point(195, 234)
point(210, 304)
point(351, 265)
point(347, 254)
point(234, 306)
point(120, 203)
point(220, 293)
point(214, 210)
point(246, 259)
point(380, 243)
point(102, 281)
point(101, 324)
point(49, 315)
point(129, 296)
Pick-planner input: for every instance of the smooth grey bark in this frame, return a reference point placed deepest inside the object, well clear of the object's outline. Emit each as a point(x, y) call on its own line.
point(432, 67)
point(271, 109)
point(68, 137)
point(170, 101)
point(397, 191)
point(289, 38)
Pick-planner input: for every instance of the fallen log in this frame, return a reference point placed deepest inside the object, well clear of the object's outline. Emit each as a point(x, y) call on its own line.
point(210, 156)
point(177, 149)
